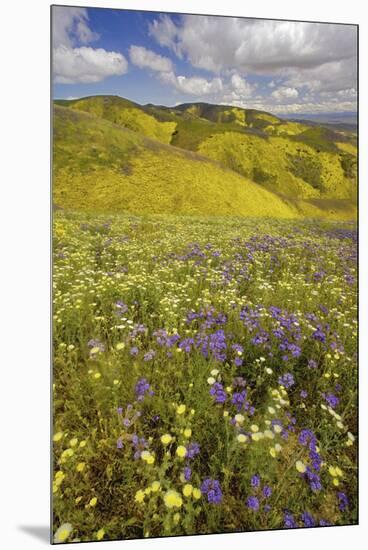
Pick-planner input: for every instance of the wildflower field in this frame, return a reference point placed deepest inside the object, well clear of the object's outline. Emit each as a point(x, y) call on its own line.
point(204, 375)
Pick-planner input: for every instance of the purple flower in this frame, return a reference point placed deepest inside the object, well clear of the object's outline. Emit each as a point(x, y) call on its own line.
point(119, 443)
point(193, 449)
point(211, 488)
point(142, 387)
point(307, 519)
point(255, 481)
point(312, 364)
point(134, 351)
point(218, 392)
point(289, 521)
point(149, 355)
point(286, 380)
point(331, 399)
point(303, 394)
point(267, 491)
point(343, 501)
point(121, 308)
point(187, 473)
point(253, 503)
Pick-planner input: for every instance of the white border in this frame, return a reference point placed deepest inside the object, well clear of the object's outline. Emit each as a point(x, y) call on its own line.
point(24, 351)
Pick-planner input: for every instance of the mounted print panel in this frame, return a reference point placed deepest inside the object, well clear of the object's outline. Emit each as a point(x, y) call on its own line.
point(204, 186)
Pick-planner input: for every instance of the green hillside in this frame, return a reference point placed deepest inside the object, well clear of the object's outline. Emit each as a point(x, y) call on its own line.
point(290, 158)
point(111, 154)
point(124, 113)
point(99, 166)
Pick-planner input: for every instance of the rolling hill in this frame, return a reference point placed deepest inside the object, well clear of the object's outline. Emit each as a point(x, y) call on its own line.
point(111, 154)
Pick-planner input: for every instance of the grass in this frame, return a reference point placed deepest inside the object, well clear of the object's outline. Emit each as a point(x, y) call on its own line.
point(197, 310)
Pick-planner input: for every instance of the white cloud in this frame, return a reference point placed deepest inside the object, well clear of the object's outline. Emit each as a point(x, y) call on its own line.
point(70, 26)
point(217, 43)
point(285, 94)
point(193, 85)
point(314, 56)
point(83, 65)
point(240, 86)
point(73, 62)
point(147, 59)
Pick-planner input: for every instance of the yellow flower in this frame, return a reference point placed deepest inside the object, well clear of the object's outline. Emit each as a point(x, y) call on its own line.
point(81, 466)
point(176, 518)
point(58, 436)
point(181, 451)
point(277, 428)
point(273, 452)
point(55, 488)
point(338, 471)
point(336, 482)
point(181, 409)
point(254, 428)
point(120, 346)
point(211, 380)
point(226, 413)
point(147, 457)
point(97, 375)
point(166, 439)
point(78, 499)
point(257, 436)
point(278, 447)
point(82, 444)
point(187, 490)
point(59, 478)
point(100, 534)
point(300, 466)
point(93, 501)
point(196, 493)
point(63, 533)
point(139, 496)
point(155, 486)
point(239, 418)
point(242, 438)
point(67, 453)
point(187, 433)
point(116, 382)
point(332, 471)
point(172, 499)
point(73, 442)
point(269, 434)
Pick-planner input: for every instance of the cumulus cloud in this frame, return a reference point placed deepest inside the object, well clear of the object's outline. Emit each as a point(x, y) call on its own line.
point(240, 86)
point(73, 62)
point(70, 26)
point(300, 58)
point(85, 64)
point(218, 43)
point(147, 59)
point(193, 85)
point(285, 94)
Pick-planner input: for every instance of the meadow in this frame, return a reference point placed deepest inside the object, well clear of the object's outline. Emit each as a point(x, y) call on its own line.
point(204, 375)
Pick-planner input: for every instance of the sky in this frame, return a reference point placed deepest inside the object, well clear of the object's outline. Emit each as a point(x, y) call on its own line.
point(283, 67)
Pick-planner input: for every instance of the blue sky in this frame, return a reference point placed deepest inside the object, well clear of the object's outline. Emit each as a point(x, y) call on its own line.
point(150, 57)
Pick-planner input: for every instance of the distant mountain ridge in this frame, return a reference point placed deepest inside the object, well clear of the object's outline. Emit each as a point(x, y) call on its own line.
point(308, 170)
